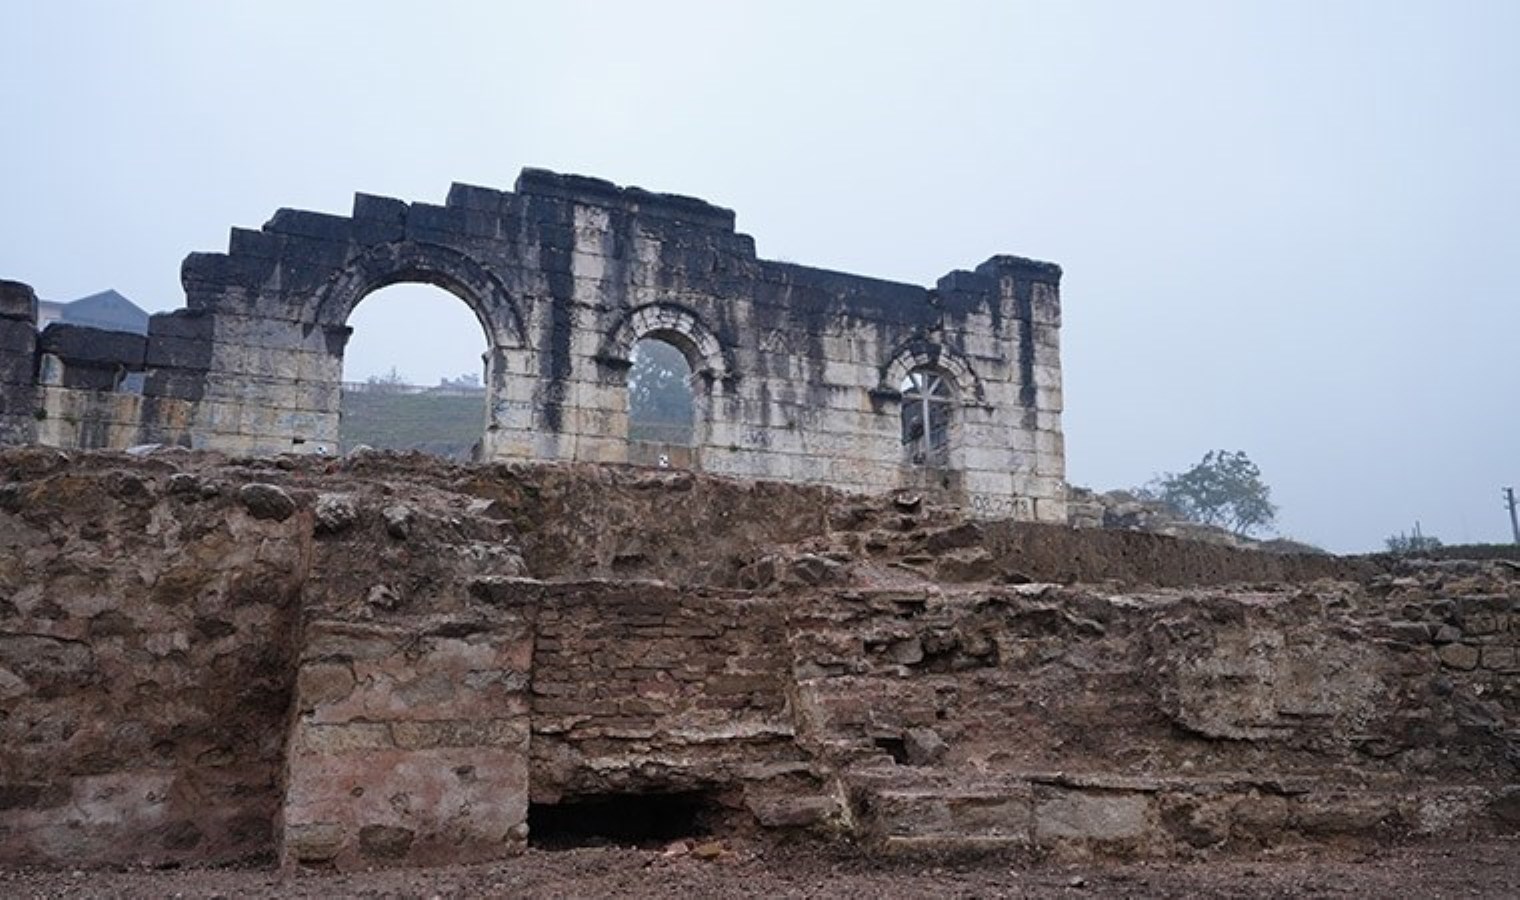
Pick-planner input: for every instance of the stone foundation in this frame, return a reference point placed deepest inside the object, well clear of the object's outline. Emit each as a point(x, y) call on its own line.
point(386, 661)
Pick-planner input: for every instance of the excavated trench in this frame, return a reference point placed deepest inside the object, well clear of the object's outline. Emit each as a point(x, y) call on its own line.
point(391, 660)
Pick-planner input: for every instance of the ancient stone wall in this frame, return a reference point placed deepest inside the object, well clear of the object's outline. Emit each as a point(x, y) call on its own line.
point(18, 364)
point(146, 629)
point(799, 372)
point(644, 687)
point(410, 742)
point(382, 661)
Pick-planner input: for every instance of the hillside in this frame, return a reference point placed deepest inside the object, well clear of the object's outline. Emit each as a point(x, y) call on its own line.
point(445, 425)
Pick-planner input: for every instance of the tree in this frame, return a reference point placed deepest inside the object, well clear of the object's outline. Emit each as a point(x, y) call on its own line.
point(659, 394)
point(1224, 489)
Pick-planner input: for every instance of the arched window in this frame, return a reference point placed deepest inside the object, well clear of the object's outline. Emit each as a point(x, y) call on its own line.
point(927, 400)
point(661, 409)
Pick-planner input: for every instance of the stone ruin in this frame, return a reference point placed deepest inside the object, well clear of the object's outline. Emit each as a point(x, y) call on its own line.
point(382, 660)
point(232, 647)
point(800, 374)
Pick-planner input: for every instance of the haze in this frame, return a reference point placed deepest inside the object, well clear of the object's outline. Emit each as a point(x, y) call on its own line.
point(1289, 228)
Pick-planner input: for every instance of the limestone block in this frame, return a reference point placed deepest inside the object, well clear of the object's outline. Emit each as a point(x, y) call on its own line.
point(407, 807)
point(601, 450)
point(296, 423)
point(1051, 510)
point(995, 482)
point(511, 415)
point(1047, 356)
point(507, 444)
point(1061, 815)
point(1049, 443)
point(18, 338)
point(1050, 465)
point(214, 416)
point(1501, 658)
point(1046, 308)
point(995, 459)
point(599, 397)
point(18, 302)
point(1047, 338)
point(1458, 656)
point(978, 434)
point(264, 332)
point(548, 445)
point(1047, 376)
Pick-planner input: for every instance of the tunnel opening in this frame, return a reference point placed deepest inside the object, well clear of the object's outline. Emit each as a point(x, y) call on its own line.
point(627, 820)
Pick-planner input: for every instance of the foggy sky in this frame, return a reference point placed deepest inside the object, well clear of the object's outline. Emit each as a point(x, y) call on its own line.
point(1289, 228)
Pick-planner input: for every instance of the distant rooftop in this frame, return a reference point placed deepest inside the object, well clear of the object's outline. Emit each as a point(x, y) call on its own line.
point(107, 309)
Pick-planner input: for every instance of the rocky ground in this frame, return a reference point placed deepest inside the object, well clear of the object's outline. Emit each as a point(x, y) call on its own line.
point(1485, 869)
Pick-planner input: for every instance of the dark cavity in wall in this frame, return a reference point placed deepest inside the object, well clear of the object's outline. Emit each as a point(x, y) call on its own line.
point(631, 820)
point(895, 747)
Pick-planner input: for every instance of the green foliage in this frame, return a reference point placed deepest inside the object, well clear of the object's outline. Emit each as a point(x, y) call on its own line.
point(660, 405)
point(1224, 489)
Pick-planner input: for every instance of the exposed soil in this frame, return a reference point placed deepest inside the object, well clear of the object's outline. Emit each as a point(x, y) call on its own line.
point(206, 659)
point(1487, 869)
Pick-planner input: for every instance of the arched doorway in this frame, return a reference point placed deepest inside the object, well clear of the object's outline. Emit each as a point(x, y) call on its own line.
point(505, 426)
point(414, 373)
point(661, 404)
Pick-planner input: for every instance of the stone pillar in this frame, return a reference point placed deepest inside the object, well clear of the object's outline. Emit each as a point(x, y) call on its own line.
point(18, 363)
point(409, 745)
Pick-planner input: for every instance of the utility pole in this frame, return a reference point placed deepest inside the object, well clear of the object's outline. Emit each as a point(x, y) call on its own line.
point(1514, 523)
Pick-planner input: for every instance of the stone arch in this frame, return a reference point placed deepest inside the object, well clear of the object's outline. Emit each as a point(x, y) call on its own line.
point(415, 261)
point(678, 326)
point(925, 354)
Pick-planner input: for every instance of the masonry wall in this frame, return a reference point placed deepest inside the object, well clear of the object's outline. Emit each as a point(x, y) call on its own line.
point(146, 629)
point(347, 664)
point(18, 363)
point(409, 742)
point(797, 370)
point(643, 687)
point(88, 419)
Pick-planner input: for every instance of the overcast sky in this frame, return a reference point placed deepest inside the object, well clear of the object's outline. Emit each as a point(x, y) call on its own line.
point(1291, 228)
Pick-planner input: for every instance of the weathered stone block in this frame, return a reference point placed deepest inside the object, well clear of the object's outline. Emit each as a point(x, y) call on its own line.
point(81, 344)
point(1458, 656)
point(1061, 815)
point(18, 302)
point(1501, 658)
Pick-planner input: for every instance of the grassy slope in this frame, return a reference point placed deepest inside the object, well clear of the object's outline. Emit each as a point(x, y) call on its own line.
point(441, 425)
